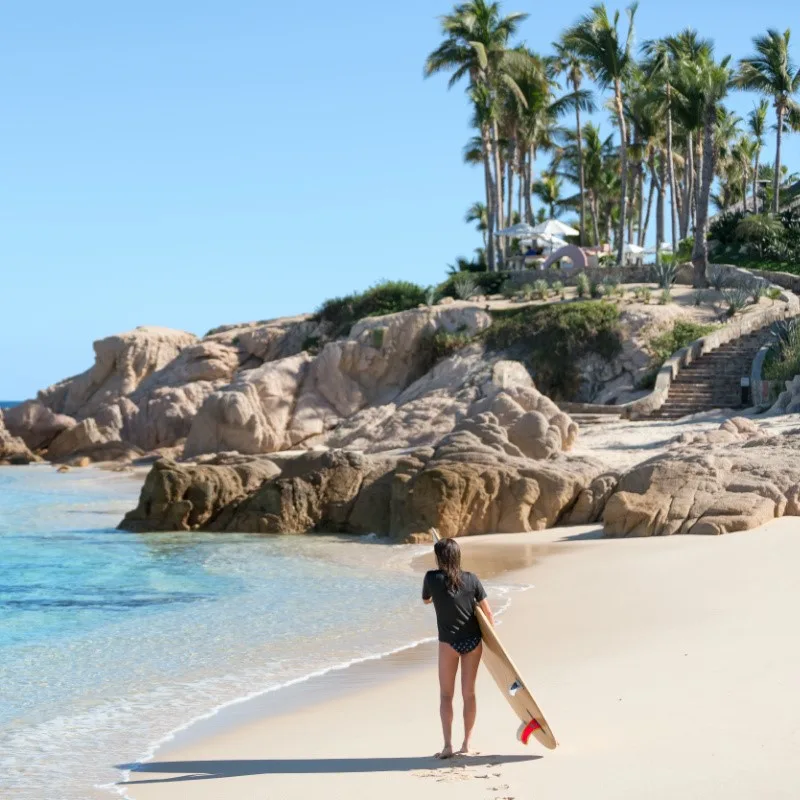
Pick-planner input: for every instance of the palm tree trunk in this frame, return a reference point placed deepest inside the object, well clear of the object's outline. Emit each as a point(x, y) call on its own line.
point(700, 252)
point(623, 169)
point(671, 170)
point(688, 180)
point(595, 219)
point(581, 176)
point(498, 171)
point(510, 190)
point(521, 179)
point(755, 182)
point(529, 186)
point(640, 202)
point(661, 181)
point(646, 222)
point(491, 255)
point(776, 192)
point(698, 161)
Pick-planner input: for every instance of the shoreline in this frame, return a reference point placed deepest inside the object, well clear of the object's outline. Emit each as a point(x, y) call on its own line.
point(351, 677)
point(635, 649)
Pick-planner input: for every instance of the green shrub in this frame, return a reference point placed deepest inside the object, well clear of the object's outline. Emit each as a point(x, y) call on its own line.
point(526, 291)
point(558, 288)
point(698, 298)
point(384, 298)
point(783, 359)
point(541, 289)
point(759, 232)
point(723, 228)
point(668, 343)
point(666, 296)
point(431, 296)
point(758, 289)
point(312, 343)
point(685, 248)
point(486, 282)
point(442, 344)
point(464, 285)
point(774, 293)
point(643, 294)
point(377, 337)
point(552, 339)
point(597, 290)
point(583, 285)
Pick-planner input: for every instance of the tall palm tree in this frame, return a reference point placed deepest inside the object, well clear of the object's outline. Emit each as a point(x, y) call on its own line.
point(714, 80)
point(771, 72)
point(757, 124)
point(548, 190)
point(476, 37)
point(595, 38)
point(477, 213)
point(575, 70)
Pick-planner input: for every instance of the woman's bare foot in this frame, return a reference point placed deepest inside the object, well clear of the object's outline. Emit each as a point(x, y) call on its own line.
point(466, 751)
point(447, 752)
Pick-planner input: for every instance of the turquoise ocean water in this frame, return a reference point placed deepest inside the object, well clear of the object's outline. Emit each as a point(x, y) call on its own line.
point(110, 641)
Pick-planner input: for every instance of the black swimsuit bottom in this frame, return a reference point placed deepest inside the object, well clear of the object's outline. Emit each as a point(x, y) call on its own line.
point(464, 646)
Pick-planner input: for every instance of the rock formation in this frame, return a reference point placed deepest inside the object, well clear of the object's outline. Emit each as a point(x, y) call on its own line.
point(13, 450)
point(729, 480)
point(788, 401)
point(474, 480)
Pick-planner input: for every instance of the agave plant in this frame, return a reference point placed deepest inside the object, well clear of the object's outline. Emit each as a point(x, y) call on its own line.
point(736, 298)
point(431, 296)
point(464, 286)
point(758, 289)
point(583, 285)
point(541, 289)
point(786, 333)
point(665, 274)
point(717, 276)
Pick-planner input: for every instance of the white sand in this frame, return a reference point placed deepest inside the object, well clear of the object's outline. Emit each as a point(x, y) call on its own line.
point(666, 667)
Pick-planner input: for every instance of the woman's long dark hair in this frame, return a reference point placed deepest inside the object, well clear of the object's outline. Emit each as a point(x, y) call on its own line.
point(448, 557)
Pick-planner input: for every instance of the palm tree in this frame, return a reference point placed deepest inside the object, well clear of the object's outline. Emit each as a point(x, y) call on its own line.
point(713, 79)
point(596, 39)
point(548, 190)
point(575, 71)
point(772, 72)
point(477, 213)
point(476, 37)
point(757, 123)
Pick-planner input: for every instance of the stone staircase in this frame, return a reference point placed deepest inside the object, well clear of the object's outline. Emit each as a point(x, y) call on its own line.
point(713, 381)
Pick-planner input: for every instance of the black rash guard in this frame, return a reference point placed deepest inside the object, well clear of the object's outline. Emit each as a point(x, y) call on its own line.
point(455, 613)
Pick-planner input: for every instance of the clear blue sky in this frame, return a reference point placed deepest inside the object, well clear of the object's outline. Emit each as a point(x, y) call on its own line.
point(190, 164)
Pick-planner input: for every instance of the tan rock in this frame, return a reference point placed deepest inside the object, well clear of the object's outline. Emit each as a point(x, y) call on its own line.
point(709, 486)
point(13, 449)
point(122, 362)
point(86, 435)
point(36, 424)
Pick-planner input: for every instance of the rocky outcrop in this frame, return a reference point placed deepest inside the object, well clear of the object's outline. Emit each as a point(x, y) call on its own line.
point(474, 480)
point(729, 480)
point(13, 449)
point(122, 363)
point(788, 401)
point(36, 424)
point(297, 400)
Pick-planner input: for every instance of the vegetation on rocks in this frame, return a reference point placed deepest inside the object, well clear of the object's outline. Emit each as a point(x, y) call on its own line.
point(666, 344)
point(387, 297)
point(551, 340)
point(783, 359)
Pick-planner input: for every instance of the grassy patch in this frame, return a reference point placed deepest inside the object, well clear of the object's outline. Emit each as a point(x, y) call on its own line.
point(551, 339)
point(768, 266)
point(384, 298)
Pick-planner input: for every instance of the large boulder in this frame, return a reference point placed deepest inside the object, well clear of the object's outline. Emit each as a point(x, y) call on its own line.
point(475, 480)
point(122, 363)
point(13, 449)
point(297, 400)
point(36, 424)
point(732, 481)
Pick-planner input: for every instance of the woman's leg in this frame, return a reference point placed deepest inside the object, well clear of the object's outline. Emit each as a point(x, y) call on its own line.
point(448, 666)
point(469, 671)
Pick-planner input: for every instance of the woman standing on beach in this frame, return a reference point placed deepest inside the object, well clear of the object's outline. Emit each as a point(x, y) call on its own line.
point(455, 594)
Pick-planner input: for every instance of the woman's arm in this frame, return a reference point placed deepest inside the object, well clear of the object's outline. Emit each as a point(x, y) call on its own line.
point(486, 608)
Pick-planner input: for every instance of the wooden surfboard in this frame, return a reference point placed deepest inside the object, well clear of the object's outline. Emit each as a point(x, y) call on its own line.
point(511, 684)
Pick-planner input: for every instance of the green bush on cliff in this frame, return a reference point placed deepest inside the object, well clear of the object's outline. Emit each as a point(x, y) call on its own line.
point(551, 339)
point(486, 282)
point(387, 297)
point(665, 345)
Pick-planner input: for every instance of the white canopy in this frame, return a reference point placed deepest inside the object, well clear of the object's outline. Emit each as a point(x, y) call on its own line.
point(519, 231)
point(664, 247)
point(555, 227)
point(633, 249)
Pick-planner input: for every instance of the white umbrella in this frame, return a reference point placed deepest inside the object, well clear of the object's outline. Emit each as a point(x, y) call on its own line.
point(519, 231)
point(633, 249)
point(551, 240)
point(664, 247)
point(555, 228)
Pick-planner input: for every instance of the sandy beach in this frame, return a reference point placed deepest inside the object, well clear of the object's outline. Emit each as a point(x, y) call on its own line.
point(666, 667)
